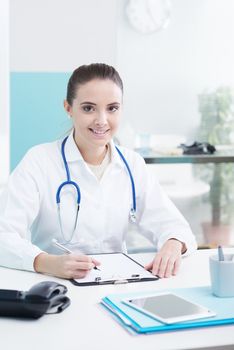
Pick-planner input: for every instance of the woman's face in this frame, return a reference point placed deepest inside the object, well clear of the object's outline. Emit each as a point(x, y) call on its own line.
point(96, 112)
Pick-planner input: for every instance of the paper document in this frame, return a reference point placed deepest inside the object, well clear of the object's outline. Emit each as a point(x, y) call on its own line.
point(115, 266)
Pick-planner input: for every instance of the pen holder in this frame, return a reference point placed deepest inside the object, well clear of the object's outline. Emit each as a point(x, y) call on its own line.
point(222, 275)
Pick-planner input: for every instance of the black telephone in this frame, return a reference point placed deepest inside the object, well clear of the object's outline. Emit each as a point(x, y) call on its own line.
point(198, 148)
point(44, 297)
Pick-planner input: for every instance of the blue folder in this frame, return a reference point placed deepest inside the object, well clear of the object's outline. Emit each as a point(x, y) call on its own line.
point(141, 323)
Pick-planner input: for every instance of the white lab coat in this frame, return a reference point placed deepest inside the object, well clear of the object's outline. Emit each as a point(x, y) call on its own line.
point(28, 211)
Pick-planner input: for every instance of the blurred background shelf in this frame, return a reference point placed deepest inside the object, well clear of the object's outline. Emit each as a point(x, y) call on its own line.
point(198, 200)
point(221, 156)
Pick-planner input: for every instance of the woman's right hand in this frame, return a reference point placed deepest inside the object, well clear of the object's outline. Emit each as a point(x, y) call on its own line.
point(65, 266)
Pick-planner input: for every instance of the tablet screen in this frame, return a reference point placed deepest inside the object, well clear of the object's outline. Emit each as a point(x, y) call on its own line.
point(169, 307)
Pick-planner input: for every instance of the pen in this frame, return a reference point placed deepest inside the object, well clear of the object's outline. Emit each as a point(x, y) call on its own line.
point(220, 253)
point(66, 250)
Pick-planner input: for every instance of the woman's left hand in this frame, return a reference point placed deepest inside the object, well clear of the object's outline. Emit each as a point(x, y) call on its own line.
point(167, 260)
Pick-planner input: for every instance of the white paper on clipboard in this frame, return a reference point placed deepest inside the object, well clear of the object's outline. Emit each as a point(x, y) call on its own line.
point(115, 266)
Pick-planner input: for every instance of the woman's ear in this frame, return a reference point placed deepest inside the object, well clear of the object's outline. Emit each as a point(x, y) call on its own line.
point(67, 107)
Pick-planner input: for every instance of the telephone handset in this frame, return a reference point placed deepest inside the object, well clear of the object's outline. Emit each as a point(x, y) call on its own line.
point(42, 298)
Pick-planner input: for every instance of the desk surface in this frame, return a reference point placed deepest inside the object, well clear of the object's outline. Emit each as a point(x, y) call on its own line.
point(85, 325)
point(152, 157)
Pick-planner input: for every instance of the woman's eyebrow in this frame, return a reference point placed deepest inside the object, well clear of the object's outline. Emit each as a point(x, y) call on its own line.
point(87, 102)
point(94, 104)
point(113, 103)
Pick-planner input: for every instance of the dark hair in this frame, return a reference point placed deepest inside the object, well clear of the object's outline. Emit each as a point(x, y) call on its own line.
point(85, 73)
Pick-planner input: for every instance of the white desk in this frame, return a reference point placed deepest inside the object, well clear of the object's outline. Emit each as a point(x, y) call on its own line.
point(85, 325)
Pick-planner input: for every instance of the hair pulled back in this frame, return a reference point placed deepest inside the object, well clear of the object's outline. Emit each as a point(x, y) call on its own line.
point(86, 73)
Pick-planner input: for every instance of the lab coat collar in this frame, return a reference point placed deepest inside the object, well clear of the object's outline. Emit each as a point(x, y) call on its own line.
point(73, 154)
point(115, 157)
point(71, 150)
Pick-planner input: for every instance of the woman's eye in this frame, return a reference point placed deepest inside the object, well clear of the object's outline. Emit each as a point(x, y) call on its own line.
point(88, 108)
point(113, 108)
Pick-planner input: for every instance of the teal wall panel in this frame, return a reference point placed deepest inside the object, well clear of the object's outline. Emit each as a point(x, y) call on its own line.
point(36, 111)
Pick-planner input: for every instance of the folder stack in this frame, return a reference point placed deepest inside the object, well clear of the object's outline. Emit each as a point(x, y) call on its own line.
point(137, 322)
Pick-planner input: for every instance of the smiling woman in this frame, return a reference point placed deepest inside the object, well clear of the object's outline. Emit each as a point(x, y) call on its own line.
point(81, 192)
point(95, 107)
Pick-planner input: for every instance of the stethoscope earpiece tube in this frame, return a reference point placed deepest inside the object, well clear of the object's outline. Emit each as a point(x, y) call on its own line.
point(65, 183)
point(58, 194)
point(133, 209)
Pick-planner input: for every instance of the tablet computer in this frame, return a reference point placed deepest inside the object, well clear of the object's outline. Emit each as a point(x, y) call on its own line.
point(168, 307)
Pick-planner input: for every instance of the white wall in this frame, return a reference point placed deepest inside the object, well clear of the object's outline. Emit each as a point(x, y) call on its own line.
point(165, 71)
point(4, 88)
point(59, 35)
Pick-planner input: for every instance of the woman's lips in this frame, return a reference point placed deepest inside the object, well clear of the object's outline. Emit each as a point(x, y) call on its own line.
point(99, 133)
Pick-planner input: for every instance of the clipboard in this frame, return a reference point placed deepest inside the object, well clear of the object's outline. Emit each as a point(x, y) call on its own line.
point(115, 268)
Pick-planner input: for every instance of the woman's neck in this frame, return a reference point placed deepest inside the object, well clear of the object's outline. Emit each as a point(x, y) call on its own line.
point(93, 156)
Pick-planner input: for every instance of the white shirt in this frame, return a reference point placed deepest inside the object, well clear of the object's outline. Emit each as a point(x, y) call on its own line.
point(28, 210)
point(99, 170)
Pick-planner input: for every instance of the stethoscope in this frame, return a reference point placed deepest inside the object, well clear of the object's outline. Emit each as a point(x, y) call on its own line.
point(69, 182)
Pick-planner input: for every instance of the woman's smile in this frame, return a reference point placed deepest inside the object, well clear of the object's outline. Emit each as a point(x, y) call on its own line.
point(99, 133)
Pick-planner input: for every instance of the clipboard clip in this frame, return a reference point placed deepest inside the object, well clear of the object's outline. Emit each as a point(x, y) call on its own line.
point(134, 277)
point(122, 281)
point(98, 280)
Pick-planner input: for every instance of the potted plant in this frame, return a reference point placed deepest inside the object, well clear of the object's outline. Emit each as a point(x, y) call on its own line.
point(217, 127)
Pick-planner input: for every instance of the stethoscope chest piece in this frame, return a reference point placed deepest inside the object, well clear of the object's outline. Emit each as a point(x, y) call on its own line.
point(132, 215)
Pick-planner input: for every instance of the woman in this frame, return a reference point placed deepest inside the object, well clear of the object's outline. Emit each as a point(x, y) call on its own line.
point(30, 220)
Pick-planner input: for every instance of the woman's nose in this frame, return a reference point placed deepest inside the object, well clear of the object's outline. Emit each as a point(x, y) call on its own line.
point(101, 118)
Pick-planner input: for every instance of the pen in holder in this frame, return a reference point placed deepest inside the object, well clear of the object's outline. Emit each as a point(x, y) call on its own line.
point(222, 274)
